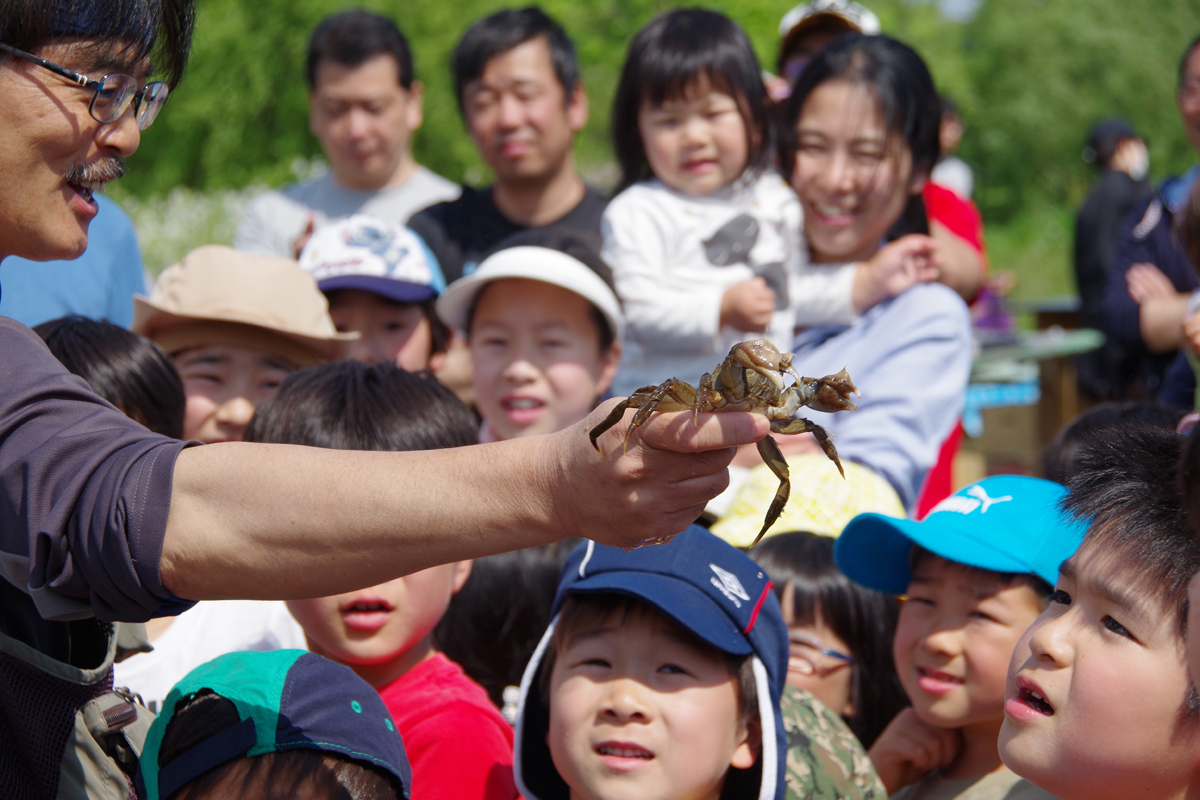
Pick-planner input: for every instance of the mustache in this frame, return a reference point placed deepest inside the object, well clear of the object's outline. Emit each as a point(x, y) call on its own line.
point(102, 171)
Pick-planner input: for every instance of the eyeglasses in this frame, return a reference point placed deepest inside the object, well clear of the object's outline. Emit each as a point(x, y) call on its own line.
point(807, 653)
point(112, 94)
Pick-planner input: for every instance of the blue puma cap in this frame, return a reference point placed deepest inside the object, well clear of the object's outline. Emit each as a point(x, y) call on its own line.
point(1006, 523)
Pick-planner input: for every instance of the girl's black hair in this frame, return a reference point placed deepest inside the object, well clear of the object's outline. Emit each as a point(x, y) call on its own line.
point(666, 59)
point(900, 82)
point(127, 370)
point(347, 405)
point(863, 618)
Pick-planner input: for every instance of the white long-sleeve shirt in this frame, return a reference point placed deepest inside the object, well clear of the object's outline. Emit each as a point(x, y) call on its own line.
point(673, 257)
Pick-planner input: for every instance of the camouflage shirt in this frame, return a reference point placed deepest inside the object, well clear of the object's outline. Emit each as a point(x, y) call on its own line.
point(824, 759)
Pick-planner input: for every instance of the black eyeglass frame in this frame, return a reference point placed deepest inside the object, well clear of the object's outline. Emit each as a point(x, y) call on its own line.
point(153, 88)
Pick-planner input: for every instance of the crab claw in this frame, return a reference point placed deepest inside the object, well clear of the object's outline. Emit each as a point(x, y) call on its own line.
point(831, 393)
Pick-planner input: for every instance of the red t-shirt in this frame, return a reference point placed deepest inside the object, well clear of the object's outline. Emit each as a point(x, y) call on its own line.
point(958, 214)
point(458, 744)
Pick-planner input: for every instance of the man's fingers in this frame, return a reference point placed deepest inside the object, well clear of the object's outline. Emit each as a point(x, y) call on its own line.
point(675, 431)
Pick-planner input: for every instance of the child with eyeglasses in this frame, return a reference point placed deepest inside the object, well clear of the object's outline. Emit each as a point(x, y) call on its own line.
point(840, 633)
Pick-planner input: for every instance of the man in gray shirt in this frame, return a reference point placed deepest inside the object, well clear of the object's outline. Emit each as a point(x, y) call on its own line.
point(364, 105)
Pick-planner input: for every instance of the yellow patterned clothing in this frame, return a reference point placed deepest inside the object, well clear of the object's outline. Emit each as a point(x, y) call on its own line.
point(821, 502)
point(824, 759)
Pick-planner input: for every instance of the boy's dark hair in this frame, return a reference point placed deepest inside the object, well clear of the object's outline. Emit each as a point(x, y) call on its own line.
point(1128, 484)
point(136, 29)
point(586, 610)
point(1060, 458)
point(200, 717)
point(347, 405)
point(919, 555)
point(352, 37)
point(494, 623)
point(668, 58)
point(584, 247)
point(863, 618)
point(127, 370)
point(502, 31)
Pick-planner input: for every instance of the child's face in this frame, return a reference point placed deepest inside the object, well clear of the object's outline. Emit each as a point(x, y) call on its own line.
point(954, 638)
point(391, 332)
point(696, 144)
point(852, 175)
point(828, 678)
point(536, 357)
point(1096, 691)
point(639, 713)
point(223, 386)
point(385, 626)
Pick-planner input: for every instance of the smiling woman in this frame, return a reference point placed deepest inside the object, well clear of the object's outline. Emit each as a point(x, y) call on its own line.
point(859, 138)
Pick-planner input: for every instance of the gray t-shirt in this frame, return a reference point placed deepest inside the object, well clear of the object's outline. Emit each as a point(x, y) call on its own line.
point(1002, 784)
point(275, 220)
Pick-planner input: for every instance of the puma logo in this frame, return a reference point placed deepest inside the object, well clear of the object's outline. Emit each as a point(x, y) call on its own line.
point(981, 495)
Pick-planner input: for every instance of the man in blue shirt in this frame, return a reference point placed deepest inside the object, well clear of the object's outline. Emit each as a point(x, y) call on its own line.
point(99, 284)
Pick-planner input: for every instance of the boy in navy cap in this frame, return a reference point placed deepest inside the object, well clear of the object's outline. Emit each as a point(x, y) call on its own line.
point(381, 282)
point(659, 678)
point(281, 724)
point(977, 572)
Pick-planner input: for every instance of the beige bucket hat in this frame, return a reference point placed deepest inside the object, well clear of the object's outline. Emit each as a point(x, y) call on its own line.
point(220, 296)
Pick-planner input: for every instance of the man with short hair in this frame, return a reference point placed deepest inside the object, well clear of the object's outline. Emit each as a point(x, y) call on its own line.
point(364, 106)
point(518, 87)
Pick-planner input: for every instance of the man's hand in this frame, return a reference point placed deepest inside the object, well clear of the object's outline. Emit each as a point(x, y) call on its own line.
point(1147, 282)
point(909, 749)
point(653, 489)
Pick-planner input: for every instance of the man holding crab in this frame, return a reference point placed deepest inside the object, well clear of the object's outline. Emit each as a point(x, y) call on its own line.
point(100, 518)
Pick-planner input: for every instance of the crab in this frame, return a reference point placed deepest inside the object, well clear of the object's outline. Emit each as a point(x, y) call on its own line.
point(751, 378)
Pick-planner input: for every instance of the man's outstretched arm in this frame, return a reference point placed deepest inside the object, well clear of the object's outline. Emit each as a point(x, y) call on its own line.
point(279, 521)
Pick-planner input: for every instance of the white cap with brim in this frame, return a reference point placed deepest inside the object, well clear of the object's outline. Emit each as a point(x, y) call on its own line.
point(534, 264)
point(215, 290)
point(856, 16)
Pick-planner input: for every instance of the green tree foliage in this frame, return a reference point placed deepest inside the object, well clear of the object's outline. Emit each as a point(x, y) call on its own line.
point(1041, 72)
point(240, 116)
point(1031, 76)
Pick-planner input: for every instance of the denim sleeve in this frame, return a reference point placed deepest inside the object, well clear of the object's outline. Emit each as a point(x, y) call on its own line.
point(84, 493)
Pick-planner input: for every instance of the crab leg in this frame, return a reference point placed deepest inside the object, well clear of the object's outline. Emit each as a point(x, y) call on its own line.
point(790, 426)
point(773, 458)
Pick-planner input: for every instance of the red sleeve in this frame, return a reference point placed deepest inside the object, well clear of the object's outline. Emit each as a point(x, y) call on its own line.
point(959, 215)
point(460, 753)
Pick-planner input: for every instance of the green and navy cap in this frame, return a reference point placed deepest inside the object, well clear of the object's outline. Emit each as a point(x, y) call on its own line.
point(1006, 523)
point(286, 700)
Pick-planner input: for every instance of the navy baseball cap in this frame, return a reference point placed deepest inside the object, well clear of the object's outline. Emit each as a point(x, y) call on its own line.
point(700, 581)
point(707, 586)
point(287, 700)
point(1006, 523)
point(371, 255)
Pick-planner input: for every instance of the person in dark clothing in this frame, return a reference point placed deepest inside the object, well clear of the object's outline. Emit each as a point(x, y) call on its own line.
point(1145, 298)
point(1116, 149)
point(517, 80)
